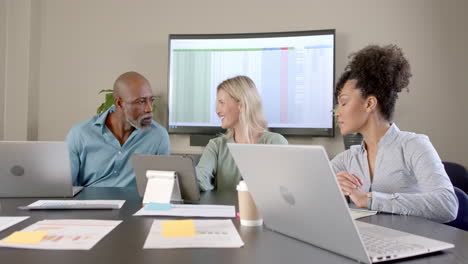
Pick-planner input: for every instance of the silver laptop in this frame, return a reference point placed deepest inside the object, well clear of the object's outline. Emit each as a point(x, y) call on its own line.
point(35, 169)
point(298, 195)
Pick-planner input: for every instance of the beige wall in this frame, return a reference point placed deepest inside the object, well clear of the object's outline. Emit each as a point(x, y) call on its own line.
point(16, 43)
point(3, 27)
point(77, 48)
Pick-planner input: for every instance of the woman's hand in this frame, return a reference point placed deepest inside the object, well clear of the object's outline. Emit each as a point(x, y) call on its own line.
point(349, 184)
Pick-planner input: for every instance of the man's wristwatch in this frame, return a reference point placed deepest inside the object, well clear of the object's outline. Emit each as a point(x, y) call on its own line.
point(369, 200)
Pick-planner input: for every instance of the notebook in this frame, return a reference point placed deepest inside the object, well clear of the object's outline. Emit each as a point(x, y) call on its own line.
point(298, 195)
point(35, 169)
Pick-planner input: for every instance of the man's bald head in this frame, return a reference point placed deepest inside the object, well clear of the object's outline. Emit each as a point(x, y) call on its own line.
point(133, 100)
point(127, 83)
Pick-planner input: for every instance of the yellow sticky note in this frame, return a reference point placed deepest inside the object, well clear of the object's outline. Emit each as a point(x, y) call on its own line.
point(178, 228)
point(25, 237)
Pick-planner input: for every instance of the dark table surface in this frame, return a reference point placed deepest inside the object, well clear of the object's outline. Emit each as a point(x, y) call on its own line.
point(125, 243)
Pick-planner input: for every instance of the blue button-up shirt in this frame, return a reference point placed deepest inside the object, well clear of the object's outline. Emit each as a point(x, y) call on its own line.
point(97, 158)
point(409, 177)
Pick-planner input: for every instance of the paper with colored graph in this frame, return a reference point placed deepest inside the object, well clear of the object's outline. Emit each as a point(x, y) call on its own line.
point(208, 234)
point(69, 234)
point(7, 221)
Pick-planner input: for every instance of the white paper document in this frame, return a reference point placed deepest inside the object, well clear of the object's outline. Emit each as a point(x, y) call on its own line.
point(74, 204)
point(360, 213)
point(192, 210)
point(7, 221)
point(67, 234)
point(209, 234)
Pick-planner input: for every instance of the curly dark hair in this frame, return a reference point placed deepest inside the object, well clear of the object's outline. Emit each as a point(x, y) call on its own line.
point(380, 71)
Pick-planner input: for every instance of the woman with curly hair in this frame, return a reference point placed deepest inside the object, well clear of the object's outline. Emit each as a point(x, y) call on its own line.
point(392, 171)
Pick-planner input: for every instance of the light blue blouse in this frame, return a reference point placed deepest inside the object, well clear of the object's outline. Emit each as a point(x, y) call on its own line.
point(409, 177)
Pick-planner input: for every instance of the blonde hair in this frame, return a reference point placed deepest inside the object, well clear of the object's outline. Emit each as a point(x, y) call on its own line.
point(251, 117)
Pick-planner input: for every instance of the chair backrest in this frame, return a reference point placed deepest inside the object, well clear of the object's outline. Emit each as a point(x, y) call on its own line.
point(457, 174)
point(194, 157)
point(462, 217)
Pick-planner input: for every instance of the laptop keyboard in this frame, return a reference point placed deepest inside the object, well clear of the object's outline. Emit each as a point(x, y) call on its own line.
point(379, 246)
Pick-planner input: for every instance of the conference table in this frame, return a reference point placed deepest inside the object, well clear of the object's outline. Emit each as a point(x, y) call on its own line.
point(124, 244)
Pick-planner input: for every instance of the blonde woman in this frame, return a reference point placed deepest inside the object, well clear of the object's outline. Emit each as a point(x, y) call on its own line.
point(239, 106)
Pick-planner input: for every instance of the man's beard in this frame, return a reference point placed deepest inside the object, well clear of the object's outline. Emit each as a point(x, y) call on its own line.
point(139, 124)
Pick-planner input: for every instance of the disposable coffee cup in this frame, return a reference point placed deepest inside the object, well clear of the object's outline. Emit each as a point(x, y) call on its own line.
point(249, 215)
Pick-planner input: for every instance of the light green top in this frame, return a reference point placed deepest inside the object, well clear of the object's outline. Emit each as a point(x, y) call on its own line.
point(217, 168)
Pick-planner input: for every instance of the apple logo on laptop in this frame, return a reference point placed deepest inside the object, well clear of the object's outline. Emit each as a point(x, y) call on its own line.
point(287, 195)
point(17, 170)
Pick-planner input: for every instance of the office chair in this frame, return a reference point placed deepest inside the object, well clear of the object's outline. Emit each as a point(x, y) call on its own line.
point(462, 217)
point(457, 174)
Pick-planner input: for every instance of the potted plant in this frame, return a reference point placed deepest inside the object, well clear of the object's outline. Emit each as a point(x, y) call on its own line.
point(109, 101)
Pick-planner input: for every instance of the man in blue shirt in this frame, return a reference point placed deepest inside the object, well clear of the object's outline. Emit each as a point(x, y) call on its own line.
point(101, 147)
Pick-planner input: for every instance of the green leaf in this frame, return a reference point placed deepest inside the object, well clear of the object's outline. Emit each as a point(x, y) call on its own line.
point(109, 101)
point(105, 91)
point(100, 109)
point(109, 98)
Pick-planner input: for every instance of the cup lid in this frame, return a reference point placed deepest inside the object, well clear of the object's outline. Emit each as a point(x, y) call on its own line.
point(242, 186)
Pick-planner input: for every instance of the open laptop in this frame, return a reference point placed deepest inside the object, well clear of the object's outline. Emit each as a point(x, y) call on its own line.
point(183, 165)
point(298, 195)
point(35, 169)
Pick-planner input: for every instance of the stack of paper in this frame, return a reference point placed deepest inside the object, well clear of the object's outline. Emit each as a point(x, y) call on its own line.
point(7, 221)
point(187, 210)
point(74, 204)
point(193, 234)
point(61, 234)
